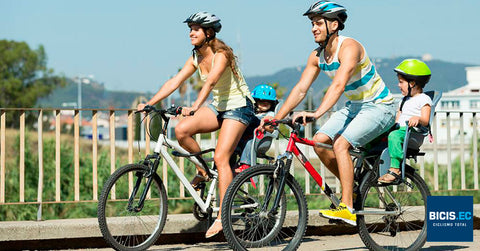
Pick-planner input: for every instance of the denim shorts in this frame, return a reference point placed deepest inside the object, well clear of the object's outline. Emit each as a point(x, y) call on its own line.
point(244, 114)
point(359, 123)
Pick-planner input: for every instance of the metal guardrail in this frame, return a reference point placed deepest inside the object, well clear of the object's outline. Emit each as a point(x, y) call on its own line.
point(447, 119)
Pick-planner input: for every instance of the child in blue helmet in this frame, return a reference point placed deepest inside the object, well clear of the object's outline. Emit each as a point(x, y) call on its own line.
point(265, 102)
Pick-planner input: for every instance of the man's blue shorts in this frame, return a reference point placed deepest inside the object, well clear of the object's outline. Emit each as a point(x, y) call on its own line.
point(359, 123)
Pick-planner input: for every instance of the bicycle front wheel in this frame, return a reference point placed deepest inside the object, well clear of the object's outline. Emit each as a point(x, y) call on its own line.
point(125, 223)
point(401, 220)
point(249, 219)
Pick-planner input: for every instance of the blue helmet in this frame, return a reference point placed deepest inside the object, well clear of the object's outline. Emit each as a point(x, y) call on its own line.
point(264, 92)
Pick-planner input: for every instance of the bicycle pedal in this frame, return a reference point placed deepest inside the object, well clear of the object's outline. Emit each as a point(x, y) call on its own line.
point(334, 221)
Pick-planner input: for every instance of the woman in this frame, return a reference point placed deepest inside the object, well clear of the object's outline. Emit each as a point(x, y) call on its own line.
point(232, 106)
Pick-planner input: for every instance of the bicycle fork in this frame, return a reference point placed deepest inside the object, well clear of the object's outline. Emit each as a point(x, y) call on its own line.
point(140, 176)
point(280, 172)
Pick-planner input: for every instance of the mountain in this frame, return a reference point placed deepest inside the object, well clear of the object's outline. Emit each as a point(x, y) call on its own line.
point(446, 76)
point(94, 95)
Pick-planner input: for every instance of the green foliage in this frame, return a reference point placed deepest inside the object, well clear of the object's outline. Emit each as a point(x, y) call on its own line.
point(24, 77)
point(280, 90)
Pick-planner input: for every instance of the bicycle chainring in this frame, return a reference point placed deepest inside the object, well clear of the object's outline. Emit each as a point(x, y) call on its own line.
point(197, 212)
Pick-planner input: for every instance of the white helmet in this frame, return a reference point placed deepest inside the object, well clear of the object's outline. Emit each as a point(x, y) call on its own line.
point(205, 20)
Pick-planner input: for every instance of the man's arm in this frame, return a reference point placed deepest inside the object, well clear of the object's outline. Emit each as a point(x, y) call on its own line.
point(298, 93)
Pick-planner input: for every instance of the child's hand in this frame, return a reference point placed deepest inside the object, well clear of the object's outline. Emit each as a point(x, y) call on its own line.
point(413, 121)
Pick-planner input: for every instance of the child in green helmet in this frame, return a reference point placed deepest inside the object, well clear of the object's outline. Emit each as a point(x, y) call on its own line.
point(414, 111)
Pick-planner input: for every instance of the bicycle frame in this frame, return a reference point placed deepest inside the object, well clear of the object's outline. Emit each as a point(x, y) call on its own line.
point(292, 149)
point(161, 149)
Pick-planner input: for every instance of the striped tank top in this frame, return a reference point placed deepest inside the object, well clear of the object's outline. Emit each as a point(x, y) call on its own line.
point(365, 85)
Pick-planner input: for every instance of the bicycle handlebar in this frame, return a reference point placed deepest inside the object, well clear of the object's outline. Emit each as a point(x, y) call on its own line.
point(288, 121)
point(173, 110)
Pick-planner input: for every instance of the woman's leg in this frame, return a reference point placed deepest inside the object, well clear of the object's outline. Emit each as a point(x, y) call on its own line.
point(204, 120)
point(230, 133)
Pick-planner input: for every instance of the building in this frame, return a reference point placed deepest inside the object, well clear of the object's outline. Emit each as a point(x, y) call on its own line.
point(465, 100)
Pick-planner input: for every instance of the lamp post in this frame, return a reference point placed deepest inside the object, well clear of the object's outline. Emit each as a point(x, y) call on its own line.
point(79, 98)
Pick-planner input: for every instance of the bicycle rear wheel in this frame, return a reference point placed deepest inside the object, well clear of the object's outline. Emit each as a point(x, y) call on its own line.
point(404, 230)
point(125, 225)
point(247, 219)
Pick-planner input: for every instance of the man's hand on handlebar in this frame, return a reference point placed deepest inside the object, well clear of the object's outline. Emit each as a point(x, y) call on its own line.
point(304, 117)
point(266, 127)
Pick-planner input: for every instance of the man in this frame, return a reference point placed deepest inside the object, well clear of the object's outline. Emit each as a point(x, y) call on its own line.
point(368, 112)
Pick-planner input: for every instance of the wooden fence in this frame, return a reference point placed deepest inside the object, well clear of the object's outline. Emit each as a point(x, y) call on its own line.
point(54, 115)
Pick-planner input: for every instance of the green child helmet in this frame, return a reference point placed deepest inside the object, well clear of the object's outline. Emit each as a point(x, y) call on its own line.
point(414, 70)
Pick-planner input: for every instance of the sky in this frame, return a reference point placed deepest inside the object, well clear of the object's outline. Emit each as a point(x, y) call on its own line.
point(138, 45)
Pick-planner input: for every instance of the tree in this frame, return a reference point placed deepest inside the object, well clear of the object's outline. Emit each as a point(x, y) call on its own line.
point(24, 77)
point(280, 90)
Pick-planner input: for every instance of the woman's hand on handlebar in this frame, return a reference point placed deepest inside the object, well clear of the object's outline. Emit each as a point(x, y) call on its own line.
point(304, 115)
point(140, 107)
point(188, 111)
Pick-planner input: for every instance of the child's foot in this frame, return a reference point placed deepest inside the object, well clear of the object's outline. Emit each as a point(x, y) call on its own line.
point(241, 168)
point(393, 175)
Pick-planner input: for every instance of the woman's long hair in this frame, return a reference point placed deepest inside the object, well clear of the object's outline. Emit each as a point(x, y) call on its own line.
point(218, 45)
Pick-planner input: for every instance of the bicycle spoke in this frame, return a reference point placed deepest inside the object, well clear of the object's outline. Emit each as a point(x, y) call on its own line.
point(251, 222)
point(404, 230)
point(121, 225)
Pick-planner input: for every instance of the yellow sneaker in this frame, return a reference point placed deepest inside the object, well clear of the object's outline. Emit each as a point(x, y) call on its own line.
point(340, 213)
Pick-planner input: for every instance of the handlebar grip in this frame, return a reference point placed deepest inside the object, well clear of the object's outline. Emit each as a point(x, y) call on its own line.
point(179, 111)
point(146, 108)
point(300, 120)
point(272, 122)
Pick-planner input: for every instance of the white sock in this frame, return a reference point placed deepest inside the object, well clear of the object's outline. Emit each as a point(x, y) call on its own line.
point(350, 209)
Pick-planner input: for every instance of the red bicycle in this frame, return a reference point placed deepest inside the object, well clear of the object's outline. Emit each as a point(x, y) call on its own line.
point(274, 214)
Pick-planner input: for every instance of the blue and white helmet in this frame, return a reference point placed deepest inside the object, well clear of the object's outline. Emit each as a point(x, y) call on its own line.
point(205, 20)
point(264, 92)
point(329, 10)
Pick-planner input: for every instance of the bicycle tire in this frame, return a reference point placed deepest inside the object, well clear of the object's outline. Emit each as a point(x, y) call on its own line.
point(404, 231)
point(125, 229)
point(252, 227)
